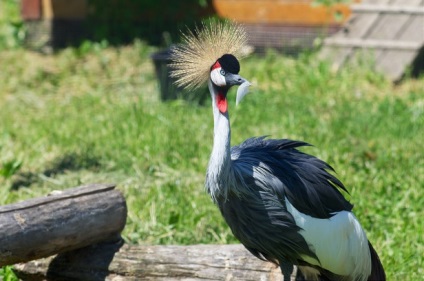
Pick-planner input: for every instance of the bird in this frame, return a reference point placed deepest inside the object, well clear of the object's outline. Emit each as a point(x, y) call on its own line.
point(284, 205)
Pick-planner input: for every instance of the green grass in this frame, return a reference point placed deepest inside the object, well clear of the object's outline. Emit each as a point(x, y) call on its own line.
point(92, 114)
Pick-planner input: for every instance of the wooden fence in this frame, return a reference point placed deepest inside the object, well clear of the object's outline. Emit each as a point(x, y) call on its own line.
point(390, 33)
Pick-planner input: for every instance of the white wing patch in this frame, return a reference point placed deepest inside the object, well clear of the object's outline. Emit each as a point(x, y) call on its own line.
point(339, 243)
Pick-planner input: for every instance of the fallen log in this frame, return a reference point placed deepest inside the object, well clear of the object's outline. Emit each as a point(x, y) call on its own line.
point(116, 261)
point(64, 221)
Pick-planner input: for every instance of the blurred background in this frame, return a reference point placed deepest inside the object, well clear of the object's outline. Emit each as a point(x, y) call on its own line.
point(270, 23)
point(85, 97)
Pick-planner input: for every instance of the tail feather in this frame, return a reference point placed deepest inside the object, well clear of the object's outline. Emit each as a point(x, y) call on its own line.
point(377, 270)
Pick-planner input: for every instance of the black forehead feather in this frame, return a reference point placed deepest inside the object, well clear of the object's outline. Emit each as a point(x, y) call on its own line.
point(229, 63)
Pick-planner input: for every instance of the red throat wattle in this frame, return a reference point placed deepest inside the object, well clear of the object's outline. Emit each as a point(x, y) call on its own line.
point(221, 102)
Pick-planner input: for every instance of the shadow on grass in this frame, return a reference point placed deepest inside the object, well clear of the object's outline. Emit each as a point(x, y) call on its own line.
point(72, 161)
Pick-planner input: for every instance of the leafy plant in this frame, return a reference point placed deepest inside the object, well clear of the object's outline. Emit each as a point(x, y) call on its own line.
point(338, 15)
point(9, 168)
point(6, 274)
point(330, 2)
point(12, 30)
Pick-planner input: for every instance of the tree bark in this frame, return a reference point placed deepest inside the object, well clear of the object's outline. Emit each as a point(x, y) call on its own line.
point(67, 220)
point(114, 261)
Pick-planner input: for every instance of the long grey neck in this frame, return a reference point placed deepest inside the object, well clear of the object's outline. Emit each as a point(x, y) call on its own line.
point(219, 169)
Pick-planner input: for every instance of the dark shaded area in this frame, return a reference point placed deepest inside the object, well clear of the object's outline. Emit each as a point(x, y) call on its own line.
point(117, 22)
point(417, 68)
point(122, 21)
point(72, 161)
point(88, 263)
point(97, 256)
point(24, 179)
point(168, 89)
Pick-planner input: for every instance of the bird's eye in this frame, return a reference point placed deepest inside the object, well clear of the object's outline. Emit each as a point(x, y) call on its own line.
point(222, 72)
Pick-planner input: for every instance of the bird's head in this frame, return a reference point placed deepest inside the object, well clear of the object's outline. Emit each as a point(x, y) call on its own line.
point(224, 75)
point(211, 54)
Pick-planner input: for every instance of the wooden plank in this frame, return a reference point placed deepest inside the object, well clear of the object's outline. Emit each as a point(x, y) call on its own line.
point(61, 222)
point(115, 261)
point(395, 32)
point(415, 31)
point(387, 9)
point(391, 27)
point(394, 62)
point(373, 44)
point(282, 12)
point(357, 27)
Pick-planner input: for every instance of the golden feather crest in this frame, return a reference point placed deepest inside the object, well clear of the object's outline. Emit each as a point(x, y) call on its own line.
point(192, 60)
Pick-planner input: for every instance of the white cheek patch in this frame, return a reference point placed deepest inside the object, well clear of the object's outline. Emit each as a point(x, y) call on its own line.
point(217, 78)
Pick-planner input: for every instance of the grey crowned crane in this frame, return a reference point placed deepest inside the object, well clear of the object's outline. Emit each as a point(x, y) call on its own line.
point(282, 204)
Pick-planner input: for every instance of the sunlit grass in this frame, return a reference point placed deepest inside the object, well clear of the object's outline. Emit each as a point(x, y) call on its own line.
point(96, 109)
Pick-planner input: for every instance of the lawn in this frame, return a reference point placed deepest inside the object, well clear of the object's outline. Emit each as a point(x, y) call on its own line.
point(93, 114)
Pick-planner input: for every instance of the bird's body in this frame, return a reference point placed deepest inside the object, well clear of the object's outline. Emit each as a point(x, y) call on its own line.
point(282, 204)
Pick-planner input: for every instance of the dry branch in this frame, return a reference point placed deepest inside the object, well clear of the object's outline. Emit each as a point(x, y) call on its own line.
point(129, 263)
point(65, 221)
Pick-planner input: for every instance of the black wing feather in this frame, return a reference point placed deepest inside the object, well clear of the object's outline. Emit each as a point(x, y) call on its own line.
point(306, 180)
